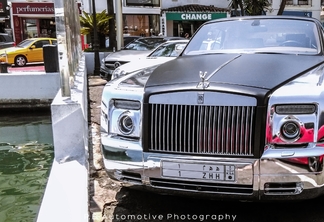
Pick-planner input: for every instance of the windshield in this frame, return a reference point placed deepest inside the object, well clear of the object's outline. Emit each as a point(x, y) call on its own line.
point(144, 44)
point(25, 43)
point(168, 49)
point(256, 36)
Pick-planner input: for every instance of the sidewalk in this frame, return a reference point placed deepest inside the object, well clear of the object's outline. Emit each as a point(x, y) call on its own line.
point(27, 68)
point(102, 190)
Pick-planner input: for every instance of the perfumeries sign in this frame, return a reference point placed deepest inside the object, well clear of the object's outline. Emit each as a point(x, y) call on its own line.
point(194, 16)
point(33, 8)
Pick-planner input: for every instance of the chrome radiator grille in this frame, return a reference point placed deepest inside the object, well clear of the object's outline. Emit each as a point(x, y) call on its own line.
point(197, 129)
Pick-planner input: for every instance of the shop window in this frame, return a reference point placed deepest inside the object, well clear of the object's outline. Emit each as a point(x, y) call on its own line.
point(47, 28)
point(298, 2)
point(152, 3)
point(30, 28)
point(141, 25)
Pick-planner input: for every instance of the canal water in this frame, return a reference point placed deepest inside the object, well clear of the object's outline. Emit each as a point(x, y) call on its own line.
point(26, 155)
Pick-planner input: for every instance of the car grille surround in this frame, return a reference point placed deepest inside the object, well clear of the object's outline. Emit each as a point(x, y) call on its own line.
point(201, 129)
point(196, 186)
point(112, 65)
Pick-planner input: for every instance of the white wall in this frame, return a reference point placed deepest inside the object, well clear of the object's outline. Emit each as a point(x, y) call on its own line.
point(28, 86)
point(100, 5)
point(66, 195)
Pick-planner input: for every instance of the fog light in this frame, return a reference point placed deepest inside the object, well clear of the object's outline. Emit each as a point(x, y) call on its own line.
point(290, 130)
point(126, 123)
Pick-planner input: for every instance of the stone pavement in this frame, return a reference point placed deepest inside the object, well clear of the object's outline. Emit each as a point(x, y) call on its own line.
point(102, 190)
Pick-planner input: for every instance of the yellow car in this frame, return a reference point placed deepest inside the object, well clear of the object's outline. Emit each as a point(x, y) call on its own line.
point(27, 51)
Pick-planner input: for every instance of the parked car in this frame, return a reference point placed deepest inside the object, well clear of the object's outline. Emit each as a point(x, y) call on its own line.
point(27, 51)
point(165, 52)
point(226, 121)
point(127, 40)
point(140, 47)
point(6, 41)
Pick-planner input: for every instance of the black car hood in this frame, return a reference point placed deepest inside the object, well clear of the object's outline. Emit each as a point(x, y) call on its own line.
point(260, 71)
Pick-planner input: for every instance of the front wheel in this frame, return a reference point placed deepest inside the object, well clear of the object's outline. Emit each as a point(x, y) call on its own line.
point(20, 60)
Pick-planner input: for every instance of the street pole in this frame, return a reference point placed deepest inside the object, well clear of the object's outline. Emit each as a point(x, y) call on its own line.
point(95, 44)
point(119, 23)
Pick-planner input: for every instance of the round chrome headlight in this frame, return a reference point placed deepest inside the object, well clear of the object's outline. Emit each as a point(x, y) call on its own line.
point(126, 123)
point(290, 130)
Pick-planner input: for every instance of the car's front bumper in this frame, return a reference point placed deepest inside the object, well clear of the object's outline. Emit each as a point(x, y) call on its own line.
point(104, 72)
point(266, 178)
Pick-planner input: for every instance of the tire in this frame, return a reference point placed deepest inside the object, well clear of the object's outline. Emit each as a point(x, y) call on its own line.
point(20, 60)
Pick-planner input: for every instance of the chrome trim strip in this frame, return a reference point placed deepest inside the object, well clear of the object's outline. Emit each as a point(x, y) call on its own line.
point(210, 99)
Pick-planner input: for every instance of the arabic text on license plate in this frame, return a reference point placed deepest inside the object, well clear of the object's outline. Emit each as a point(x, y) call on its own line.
point(216, 172)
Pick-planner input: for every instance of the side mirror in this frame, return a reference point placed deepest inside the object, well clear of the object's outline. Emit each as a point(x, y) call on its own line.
point(32, 47)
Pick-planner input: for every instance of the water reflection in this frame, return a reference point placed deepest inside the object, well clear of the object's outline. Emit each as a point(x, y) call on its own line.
point(26, 154)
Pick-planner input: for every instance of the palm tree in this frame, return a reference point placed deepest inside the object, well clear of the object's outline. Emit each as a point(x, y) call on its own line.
point(257, 7)
point(251, 7)
point(102, 19)
point(282, 7)
point(235, 5)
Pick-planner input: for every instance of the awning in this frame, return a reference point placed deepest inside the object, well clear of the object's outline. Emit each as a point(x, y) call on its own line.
point(195, 13)
point(195, 8)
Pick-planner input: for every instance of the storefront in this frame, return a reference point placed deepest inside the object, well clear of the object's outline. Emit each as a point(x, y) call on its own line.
point(33, 19)
point(177, 21)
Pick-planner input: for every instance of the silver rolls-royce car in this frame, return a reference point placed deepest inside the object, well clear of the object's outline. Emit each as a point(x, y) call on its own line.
point(238, 115)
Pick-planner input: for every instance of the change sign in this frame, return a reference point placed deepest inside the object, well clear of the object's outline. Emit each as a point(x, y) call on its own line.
point(194, 16)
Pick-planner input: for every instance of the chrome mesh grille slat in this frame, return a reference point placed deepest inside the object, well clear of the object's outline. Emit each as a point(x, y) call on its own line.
point(200, 129)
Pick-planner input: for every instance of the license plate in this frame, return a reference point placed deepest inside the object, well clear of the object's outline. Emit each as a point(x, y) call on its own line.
point(202, 171)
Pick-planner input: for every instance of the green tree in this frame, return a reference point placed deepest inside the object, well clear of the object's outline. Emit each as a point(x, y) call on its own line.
point(102, 20)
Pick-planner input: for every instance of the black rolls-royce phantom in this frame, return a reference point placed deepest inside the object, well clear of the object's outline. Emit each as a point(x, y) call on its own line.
point(238, 115)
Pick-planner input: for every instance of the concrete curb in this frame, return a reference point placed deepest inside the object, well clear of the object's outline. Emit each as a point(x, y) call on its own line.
point(66, 197)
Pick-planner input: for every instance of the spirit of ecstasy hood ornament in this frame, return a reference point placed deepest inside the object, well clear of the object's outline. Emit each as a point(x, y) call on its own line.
point(203, 83)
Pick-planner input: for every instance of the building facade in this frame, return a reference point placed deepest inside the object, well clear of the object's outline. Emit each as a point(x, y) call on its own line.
point(35, 18)
point(177, 17)
point(307, 8)
point(32, 18)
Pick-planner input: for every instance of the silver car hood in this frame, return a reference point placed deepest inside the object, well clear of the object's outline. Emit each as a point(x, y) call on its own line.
point(126, 55)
